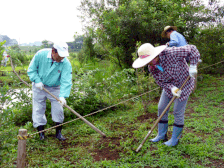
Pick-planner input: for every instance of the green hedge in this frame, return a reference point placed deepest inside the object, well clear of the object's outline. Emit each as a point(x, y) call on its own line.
point(210, 43)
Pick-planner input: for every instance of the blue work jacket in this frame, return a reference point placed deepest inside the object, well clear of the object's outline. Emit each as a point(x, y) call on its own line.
point(177, 40)
point(43, 69)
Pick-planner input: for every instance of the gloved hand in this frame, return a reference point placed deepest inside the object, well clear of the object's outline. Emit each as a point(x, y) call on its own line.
point(39, 85)
point(193, 70)
point(175, 91)
point(62, 101)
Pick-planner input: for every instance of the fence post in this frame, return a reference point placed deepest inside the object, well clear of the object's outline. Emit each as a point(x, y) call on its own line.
point(21, 149)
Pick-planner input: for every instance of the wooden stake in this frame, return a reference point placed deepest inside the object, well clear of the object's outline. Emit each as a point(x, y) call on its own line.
point(21, 149)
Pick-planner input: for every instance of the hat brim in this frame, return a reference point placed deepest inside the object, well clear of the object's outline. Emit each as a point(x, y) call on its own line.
point(164, 31)
point(63, 53)
point(139, 62)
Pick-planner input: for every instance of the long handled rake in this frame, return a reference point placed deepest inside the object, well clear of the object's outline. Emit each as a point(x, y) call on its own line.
point(164, 111)
point(77, 114)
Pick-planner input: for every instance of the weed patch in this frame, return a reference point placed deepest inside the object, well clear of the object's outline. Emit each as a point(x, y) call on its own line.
point(201, 144)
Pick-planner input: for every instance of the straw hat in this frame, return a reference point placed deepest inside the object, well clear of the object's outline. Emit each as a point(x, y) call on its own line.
point(167, 28)
point(147, 52)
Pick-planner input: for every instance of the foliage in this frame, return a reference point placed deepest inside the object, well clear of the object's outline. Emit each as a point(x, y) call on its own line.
point(119, 25)
point(15, 48)
point(77, 44)
point(30, 50)
point(146, 83)
point(94, 89)
point(210, 43)
point(1, 50)
point(87, 53)
point(19, 57)
point(46, 44)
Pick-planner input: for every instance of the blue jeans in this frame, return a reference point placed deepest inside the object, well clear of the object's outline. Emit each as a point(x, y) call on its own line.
point(178, 110)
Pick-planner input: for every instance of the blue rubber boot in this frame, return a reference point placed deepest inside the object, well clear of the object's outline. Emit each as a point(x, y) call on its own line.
point(162, 130)
point(177, 131)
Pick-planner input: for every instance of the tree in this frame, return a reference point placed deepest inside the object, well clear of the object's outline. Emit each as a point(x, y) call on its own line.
point(77, 44)
point(2, 49)
point(210, 43)
point(46, 44)
point(87, 52)
point(120, 24)
point(15, 48)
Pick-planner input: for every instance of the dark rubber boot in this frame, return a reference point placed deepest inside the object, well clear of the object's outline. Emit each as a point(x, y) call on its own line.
point(40, 128)
point(58, 133)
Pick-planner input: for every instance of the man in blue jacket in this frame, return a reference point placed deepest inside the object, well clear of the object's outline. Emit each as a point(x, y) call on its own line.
point(50, 69)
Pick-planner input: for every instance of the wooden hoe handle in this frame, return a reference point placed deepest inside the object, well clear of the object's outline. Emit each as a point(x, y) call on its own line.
point(157, 121)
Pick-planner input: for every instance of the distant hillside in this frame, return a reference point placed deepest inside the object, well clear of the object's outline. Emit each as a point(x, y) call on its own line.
point(36, 43)
point(9, 42)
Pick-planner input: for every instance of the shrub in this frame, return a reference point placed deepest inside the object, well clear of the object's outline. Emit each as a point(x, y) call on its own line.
point(210, 43)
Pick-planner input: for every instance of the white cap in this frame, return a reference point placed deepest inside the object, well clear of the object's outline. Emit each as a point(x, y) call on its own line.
point(62, 48)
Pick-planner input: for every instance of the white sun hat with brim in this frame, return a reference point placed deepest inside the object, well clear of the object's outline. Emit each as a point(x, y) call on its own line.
point(147, 52)
point(167, 28)
point(62, 48)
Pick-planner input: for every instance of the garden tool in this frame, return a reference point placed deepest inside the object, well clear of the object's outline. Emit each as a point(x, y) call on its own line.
point(164, 111)
point(77, 114)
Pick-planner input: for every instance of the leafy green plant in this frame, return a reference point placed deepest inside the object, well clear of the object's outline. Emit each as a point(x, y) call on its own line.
point(210, 43)
point(1, 50)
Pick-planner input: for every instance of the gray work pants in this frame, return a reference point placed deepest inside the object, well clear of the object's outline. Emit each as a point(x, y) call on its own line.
point(178, 110)
point(39, 106)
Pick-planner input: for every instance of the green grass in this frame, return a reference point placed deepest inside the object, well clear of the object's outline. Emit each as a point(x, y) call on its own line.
point(202, 143)
point(9, 68)
point(6, 73)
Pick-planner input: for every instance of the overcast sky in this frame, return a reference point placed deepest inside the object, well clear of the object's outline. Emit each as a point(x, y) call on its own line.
point(37, 20)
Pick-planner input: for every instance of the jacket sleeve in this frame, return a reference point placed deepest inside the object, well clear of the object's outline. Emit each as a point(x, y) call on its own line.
point(194, 55)
point(33, 69)
point(66, 80)
point(173, 40)
point(163, 83)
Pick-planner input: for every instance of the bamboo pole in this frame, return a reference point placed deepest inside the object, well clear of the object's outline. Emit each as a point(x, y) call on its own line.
point(77, 114)
point(157, 121)
point(21, 156)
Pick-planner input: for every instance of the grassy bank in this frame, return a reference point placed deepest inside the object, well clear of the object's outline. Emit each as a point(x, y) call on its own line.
point(125, 127)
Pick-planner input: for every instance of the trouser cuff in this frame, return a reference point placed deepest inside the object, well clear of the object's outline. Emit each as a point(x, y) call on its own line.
point(161, 121)
point(180, 126)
